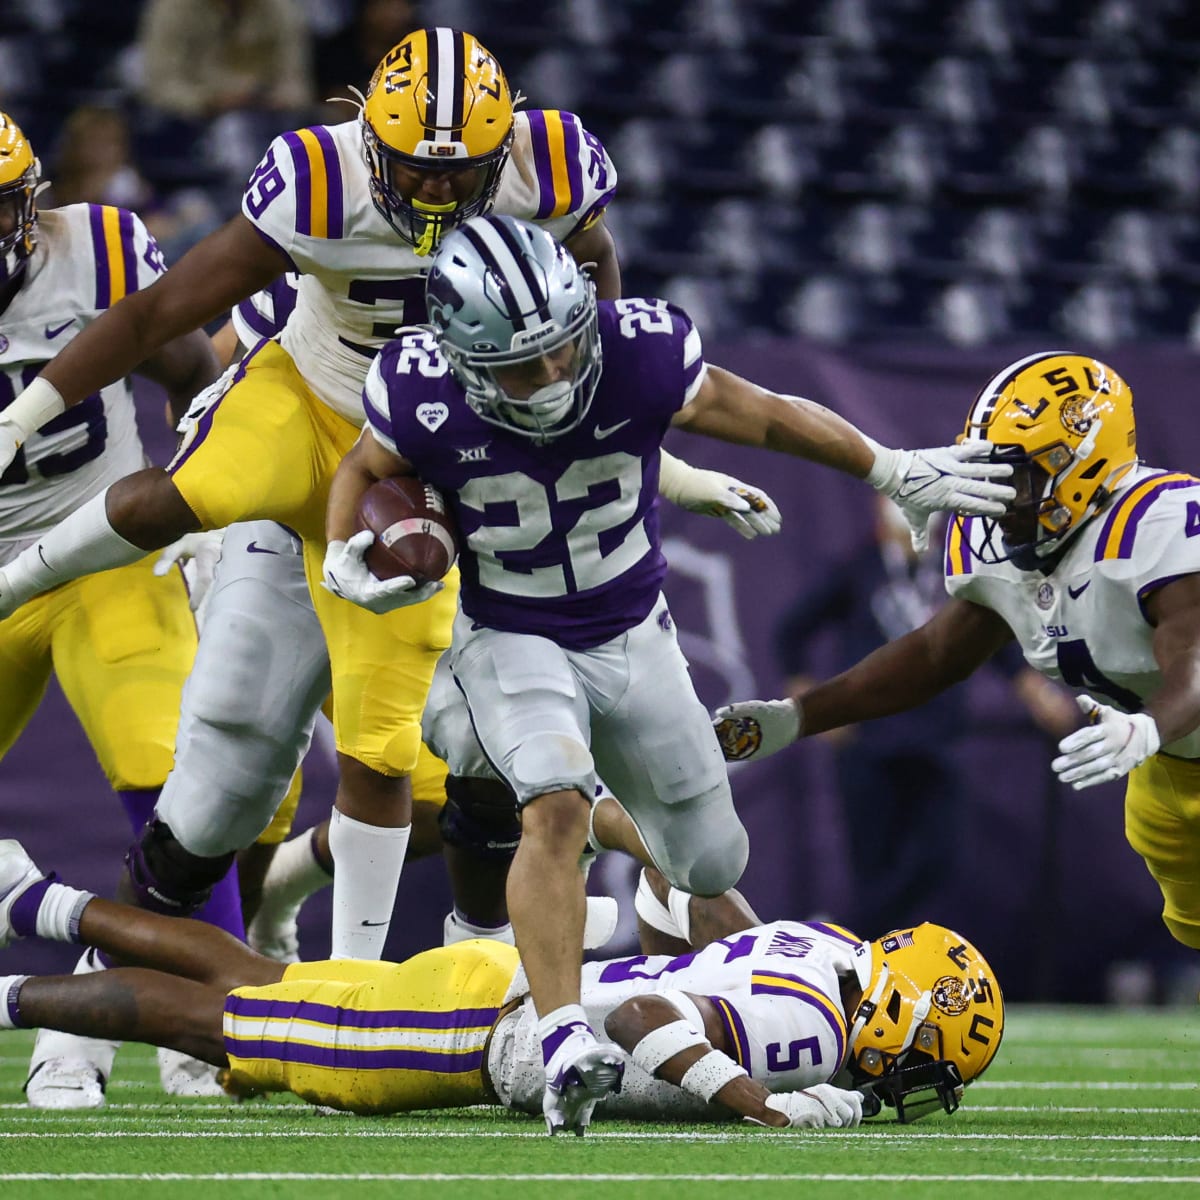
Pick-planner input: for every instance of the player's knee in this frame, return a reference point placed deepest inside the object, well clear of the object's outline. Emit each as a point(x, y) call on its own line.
point(480, 815)
point(167, 878)
point(147, 508)
point(708, 858)
point(552, 762)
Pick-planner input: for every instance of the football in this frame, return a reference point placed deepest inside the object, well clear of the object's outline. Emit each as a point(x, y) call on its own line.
point(413, 527)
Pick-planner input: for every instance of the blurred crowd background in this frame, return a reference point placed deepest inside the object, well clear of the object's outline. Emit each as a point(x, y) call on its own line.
point(876, 203)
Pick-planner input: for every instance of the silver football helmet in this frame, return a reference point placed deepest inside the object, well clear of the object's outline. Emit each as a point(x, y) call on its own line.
point(515, 318)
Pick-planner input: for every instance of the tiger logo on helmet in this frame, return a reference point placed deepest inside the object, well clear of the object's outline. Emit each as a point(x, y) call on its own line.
point(437, 103)
point(929, 1021)
point(19, 174)
point(1065, 422)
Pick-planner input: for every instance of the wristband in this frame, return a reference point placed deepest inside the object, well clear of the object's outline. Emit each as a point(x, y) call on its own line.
point(706, 1077)
point(38, 404)
point(664, 1043)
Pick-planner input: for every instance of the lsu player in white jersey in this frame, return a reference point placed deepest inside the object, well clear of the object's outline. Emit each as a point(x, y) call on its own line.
point(1095, 572)
point(784, 1024)
point(120, 643)
point(354, 209)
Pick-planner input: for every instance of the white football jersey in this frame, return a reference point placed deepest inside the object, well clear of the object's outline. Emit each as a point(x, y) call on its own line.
point(776, 987)
point(88, 256)
point(1085, 623)
point(310, 197)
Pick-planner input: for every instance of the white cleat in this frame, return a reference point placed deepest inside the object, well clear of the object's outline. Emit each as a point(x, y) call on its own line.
point(17, 873)
point(579, 1083)
point(182, 1075)
point(65, 1083)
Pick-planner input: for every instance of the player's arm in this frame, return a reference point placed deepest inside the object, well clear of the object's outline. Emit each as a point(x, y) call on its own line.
point(594, 248)
point(230, 264)
point(692, 1054)
point(185, 366)
point(368, 461)
point(903, 674)
point(1113, 742)
point(732, 409)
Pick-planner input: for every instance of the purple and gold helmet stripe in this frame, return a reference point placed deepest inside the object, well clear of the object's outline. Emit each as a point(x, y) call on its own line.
point(736, 1040)
point(1120, 529)
point(114, 252)
point(555, 137)
point(958, 546)
point(319, 204)
point(775, 983)
point(445, 84)
point(839, 932)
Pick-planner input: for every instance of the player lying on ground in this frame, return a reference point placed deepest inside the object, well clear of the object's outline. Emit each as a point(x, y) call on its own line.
point(786, 1024)
point(1095, 571)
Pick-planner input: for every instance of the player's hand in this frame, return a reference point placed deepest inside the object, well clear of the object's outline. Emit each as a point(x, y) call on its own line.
point(923, 482)
point(348, 576)
point(747, 509)
point(821, 1107)
point(197, 554)
point(1111, 746)
point(757, 728)
point(10, 443)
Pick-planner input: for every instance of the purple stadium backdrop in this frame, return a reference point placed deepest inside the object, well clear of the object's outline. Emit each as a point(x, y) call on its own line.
point(1042, 880)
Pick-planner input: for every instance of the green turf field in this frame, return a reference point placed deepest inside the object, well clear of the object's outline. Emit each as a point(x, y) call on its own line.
point(1078, 1103)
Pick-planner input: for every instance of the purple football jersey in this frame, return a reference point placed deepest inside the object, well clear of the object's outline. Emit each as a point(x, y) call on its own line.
point(560, 539)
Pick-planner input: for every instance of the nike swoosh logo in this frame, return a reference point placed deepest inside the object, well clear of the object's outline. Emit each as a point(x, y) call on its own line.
point(53, 333)
point(1075, 593)
point(373, 924)
point(599, 433)
point(255, 548)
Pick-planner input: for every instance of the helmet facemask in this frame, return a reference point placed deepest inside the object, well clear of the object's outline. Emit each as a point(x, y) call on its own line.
point(18, 216)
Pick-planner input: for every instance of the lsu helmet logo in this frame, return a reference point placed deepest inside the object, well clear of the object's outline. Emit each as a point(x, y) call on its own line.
point(1077, 415)
point(740, 737)
point(951, 995)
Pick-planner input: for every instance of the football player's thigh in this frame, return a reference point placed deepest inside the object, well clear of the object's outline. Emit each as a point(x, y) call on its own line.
point(258, 451)
point(527, 707)
point(1162, 823)
point(259, 678)
point(25, 665)
point(122, 653)
point(381, 668)
point(656, 750)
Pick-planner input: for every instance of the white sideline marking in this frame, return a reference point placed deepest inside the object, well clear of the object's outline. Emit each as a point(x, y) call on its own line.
point(579, 1177)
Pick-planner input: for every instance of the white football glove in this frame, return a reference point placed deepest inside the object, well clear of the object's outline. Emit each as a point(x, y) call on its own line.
point(747, 509)
point(197, 554)
point(1111, 746)
point(821, 1107)
point(923, 482)
point(348, 576)
point(757, 728)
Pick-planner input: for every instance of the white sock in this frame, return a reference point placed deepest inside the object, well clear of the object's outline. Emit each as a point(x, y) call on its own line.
point(367, 861)
point(656, 914)
point(10, 987)
point(456, 928)
point(680, 905)
point(80, 544)
point(295, 872)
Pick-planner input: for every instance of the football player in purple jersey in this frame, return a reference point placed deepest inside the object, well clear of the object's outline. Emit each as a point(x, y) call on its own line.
point(540, 412)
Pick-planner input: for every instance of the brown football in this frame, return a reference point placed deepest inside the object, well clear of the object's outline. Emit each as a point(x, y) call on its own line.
point(414, 529)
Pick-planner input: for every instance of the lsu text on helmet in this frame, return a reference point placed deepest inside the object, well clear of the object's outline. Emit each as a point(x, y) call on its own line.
point(19, 173)
point(1065, 422)
point(515, 318)
point(929, 1022)
point(437, 128)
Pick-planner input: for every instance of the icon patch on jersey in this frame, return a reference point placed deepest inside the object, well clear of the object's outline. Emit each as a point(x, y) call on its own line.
point(1045, 596)
point(1075, 593)
point(52, 333)
point(474, 453)
point(432, 416)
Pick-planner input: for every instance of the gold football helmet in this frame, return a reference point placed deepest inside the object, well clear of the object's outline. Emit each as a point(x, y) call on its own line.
point(929, 1022)
point(1065, 422)
point(438, 110)
point(19, 172)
